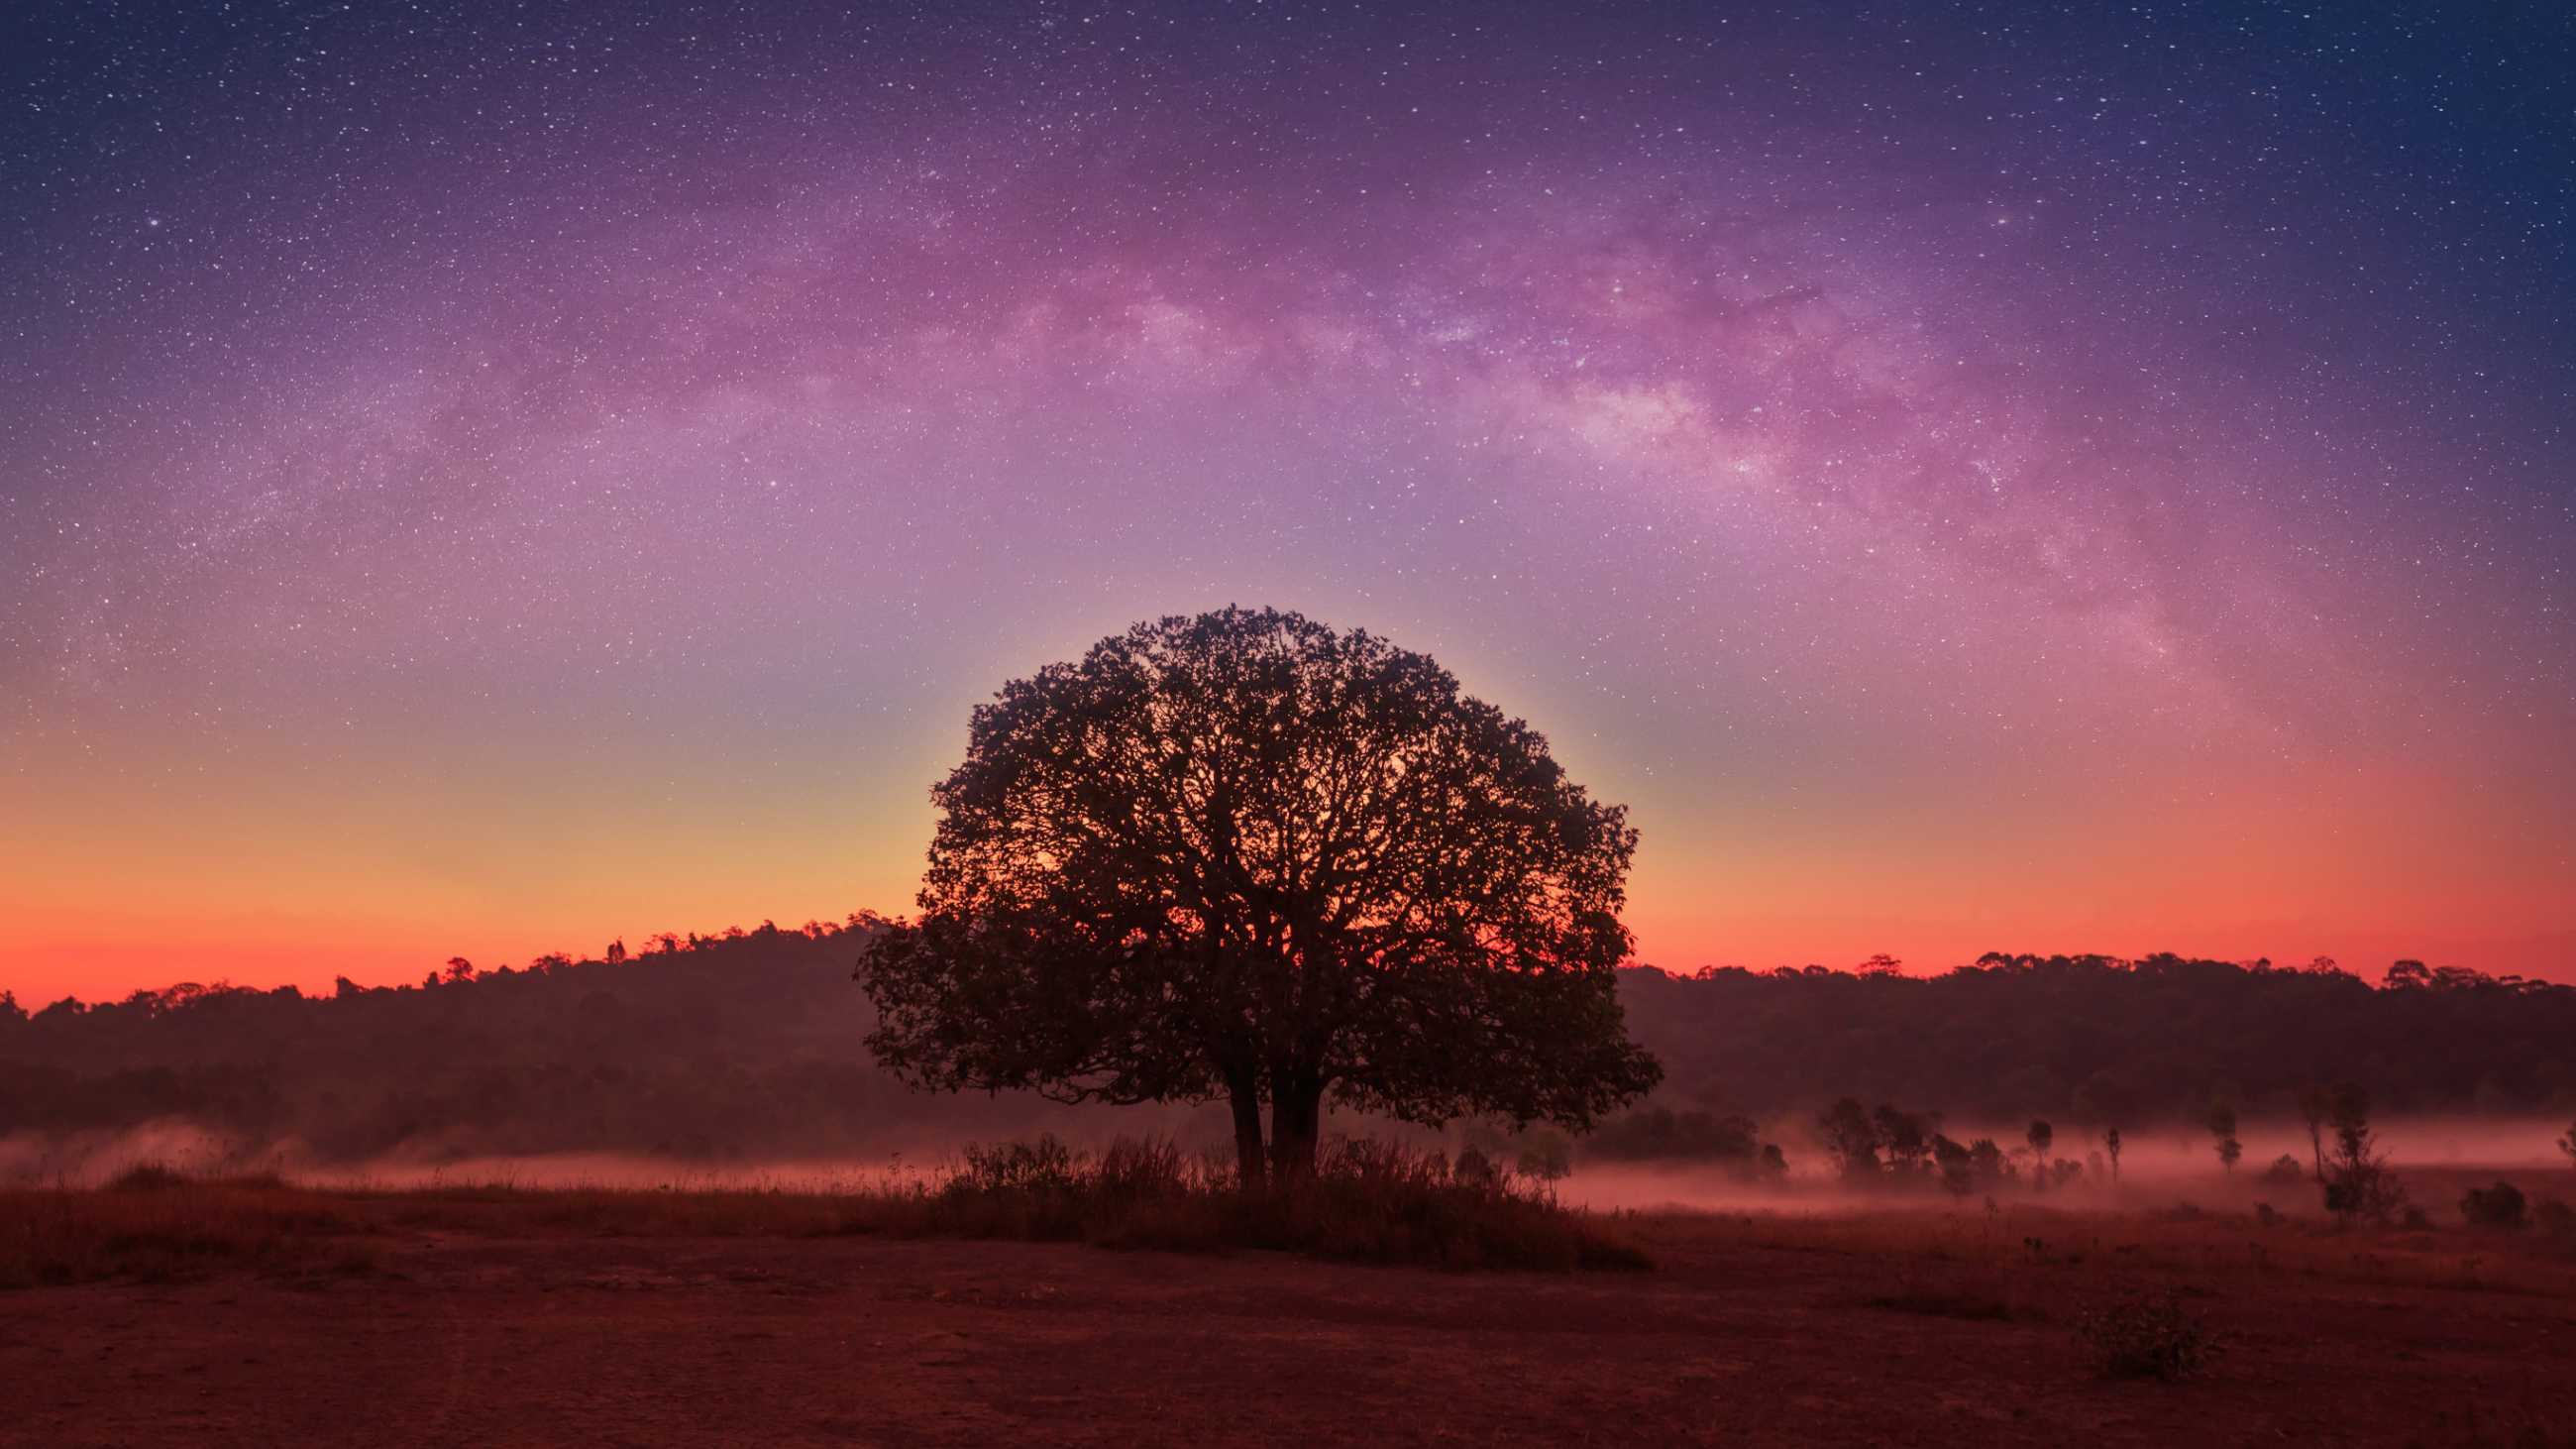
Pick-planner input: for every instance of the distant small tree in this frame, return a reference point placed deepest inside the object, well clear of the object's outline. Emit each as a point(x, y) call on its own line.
point(2111, 1146)
point(2285, 1169)
point(2222, 1132)
point(2358, 1182)
point(1988, 1163)
point(1905, 1138)
point(2316, 1108)
point(616, 952)
point(459, 969)
point(1955, 1164)
point(2567, 1144)
point(2040, 1137)
point(1850, 1137)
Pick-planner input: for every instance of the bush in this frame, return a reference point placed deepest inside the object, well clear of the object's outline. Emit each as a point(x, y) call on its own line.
point(2555, 1219)
point(1368, 1200)
point(2149, 1338)
point(146, 1177)
point(2500, 1206)
point(2366, 1191)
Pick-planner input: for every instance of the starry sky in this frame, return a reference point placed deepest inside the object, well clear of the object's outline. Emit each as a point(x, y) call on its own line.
point(483, 479)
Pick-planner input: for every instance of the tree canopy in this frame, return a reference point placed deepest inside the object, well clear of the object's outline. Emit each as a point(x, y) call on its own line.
point(1245, 856)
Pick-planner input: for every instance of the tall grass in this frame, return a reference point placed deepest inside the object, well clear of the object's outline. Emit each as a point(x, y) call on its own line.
point(154, 1225)
point(1367, 1202)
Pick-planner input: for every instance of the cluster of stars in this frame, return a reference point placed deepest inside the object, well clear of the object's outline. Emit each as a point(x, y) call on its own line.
point(1991, 430)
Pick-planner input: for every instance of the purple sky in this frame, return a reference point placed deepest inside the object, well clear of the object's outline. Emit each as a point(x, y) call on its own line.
point(1968, 477)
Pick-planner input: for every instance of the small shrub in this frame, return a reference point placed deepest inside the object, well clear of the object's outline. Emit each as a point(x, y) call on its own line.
point(146, 1177)
point(2555, 1219)
point(2149, 1338)
point(1036, 1165)
point(2501, 1206)
point(1367, 1200)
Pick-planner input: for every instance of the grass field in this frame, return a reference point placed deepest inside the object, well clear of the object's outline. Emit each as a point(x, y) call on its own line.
point(257, 1311)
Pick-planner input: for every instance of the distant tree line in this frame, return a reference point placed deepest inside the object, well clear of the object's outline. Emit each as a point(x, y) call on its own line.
point(2096, 1040)
point(746, 1045)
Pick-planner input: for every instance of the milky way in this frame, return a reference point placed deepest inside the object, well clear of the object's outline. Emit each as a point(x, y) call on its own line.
point(481, 480)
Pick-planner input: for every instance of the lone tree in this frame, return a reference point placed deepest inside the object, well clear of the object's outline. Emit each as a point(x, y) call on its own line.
point(1243, 855)
point(2316, 1108)
point(2358, 1181)
point(2222, 1133)
point(2041, 1137)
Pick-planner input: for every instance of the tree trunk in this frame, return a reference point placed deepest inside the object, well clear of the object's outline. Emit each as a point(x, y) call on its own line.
point(1247, 1135)
point(1296, 1115)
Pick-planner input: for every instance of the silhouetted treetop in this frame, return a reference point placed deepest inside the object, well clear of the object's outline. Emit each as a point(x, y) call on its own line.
point(1244, 856)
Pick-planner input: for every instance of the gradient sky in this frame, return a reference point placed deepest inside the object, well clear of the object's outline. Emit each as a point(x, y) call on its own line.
point(483, 480)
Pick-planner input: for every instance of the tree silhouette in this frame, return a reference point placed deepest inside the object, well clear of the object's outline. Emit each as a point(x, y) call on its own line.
point(2111, 1145)
point(2358, 1181)
point(2222, 1132)
point(1850, 1137)
point(1906, 1137)
point(2316, 1108)
point(2567, 1144)
point(1242, 855)
point(2040, 1137)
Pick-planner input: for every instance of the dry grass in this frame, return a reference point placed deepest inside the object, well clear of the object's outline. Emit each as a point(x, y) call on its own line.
point(1967, 1262)
point(152, 1225)
point(1369, 1202)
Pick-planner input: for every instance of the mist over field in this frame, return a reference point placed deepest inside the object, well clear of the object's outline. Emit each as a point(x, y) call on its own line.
point(737, 1057)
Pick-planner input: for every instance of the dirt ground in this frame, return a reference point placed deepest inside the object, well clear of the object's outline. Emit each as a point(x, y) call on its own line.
point(1750, 1331)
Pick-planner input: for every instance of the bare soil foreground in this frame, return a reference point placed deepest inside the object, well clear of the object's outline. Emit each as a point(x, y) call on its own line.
point(518, 1323)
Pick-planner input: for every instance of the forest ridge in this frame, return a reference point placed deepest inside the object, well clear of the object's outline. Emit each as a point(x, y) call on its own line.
point(744, 1045)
